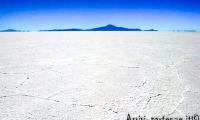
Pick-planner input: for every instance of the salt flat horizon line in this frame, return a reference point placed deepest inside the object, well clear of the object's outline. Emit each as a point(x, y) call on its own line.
point(108, 27)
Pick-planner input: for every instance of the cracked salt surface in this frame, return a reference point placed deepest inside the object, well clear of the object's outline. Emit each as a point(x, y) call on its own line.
point(98, 75)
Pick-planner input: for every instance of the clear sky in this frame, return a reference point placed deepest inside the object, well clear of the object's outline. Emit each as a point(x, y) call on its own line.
point(63, 14)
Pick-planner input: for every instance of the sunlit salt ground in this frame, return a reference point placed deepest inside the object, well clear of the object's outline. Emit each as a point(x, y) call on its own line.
point(98, 75)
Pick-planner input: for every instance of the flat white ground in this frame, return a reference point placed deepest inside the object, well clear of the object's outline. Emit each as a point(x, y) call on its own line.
point(98, 75)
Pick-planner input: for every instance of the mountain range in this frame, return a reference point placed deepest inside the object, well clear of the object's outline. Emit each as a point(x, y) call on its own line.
point(10, 30)
point(108, 27)
point(13, 30)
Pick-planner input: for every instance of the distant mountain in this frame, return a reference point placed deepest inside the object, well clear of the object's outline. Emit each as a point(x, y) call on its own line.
point(189, 30)
point(109, 27)
point(151, 30)
point(73, 29)
point(184, 30)
point(10, 30)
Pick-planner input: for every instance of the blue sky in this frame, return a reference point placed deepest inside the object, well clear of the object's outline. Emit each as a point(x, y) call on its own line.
point(144, 14)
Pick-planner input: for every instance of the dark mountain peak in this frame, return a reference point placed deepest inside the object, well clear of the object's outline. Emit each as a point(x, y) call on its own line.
point(110, 25)
point(10, 30)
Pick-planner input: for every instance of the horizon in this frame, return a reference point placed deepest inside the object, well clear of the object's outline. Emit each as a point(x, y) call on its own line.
point(43, 30)
point(85, 14)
